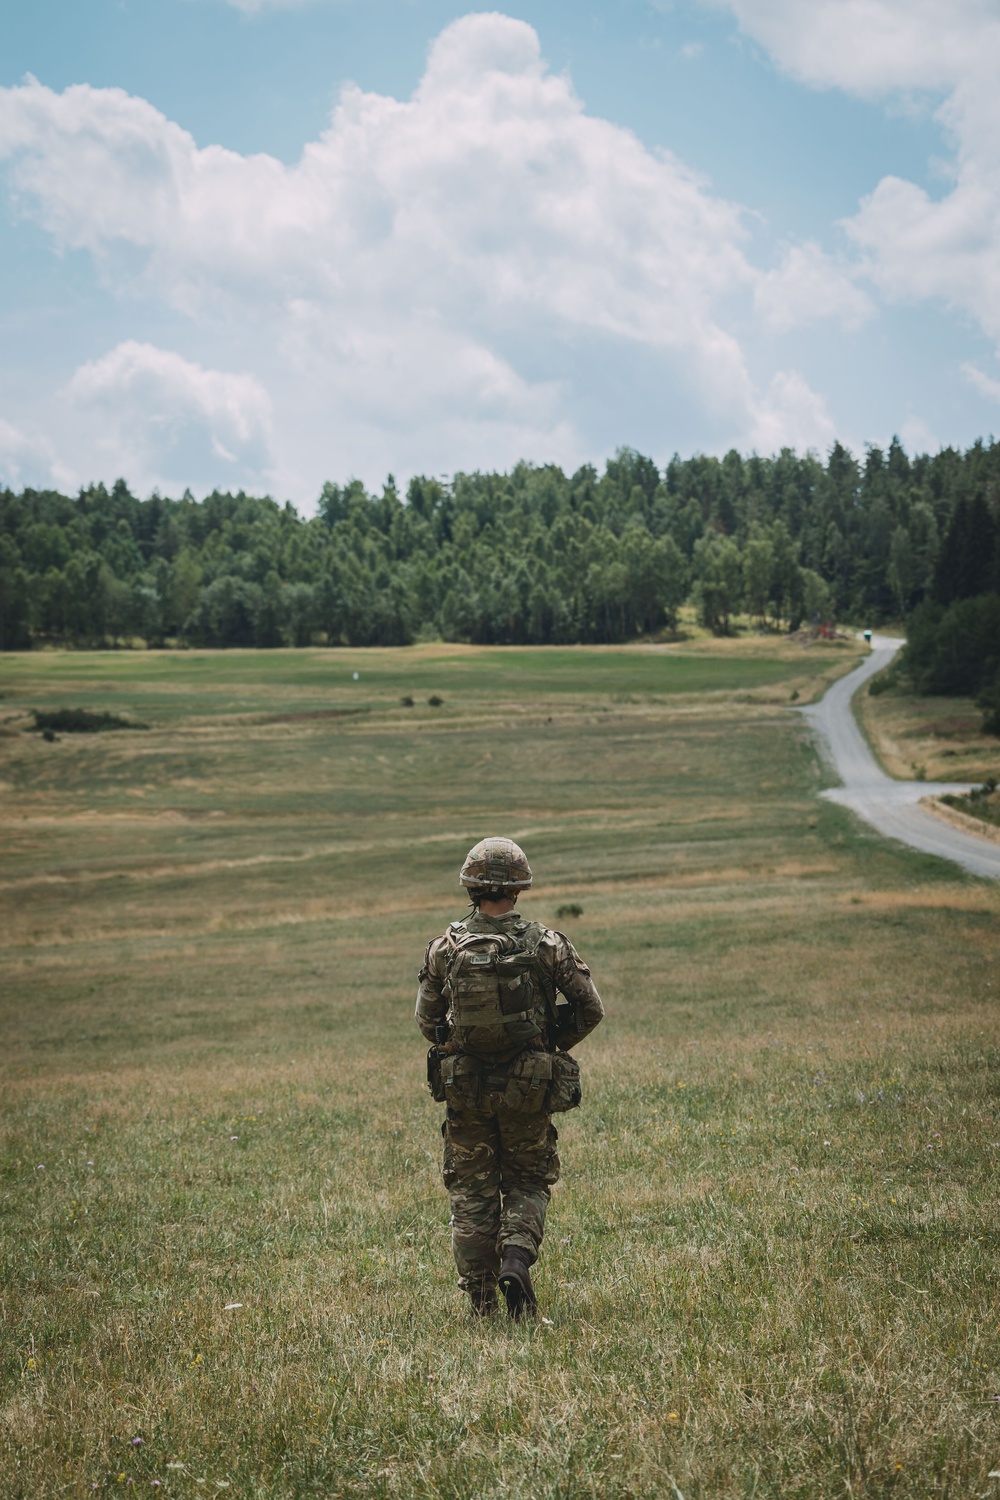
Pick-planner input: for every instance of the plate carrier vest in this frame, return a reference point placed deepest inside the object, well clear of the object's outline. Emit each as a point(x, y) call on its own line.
point(499, 995)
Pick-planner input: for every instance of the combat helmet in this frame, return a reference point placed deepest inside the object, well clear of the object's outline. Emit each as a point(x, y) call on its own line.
point(496, 865)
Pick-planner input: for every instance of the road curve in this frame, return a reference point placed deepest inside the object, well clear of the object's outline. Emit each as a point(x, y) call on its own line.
point(890, 806)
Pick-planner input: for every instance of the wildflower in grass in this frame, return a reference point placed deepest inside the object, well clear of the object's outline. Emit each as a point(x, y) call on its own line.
point(137, 1442)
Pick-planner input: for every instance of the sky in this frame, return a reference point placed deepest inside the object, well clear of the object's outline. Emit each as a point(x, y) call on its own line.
point(270, 243)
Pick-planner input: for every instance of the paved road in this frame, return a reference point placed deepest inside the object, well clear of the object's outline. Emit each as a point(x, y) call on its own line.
point(888, 805)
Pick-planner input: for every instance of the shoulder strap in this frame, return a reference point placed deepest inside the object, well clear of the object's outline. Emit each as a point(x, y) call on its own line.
point(454, 934)
point(532, 938)
point(530, 935)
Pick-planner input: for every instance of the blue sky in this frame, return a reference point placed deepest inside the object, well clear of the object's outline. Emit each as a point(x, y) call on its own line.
point(269, 243)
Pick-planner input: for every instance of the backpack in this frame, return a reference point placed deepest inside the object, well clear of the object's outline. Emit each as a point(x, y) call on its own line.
point(499, 996)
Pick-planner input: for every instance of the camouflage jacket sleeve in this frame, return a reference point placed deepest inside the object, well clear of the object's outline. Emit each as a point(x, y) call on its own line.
point(584, 1008)
point(432, 1007)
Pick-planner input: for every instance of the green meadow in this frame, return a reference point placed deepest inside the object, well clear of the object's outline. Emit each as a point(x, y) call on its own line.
point(771, 1266)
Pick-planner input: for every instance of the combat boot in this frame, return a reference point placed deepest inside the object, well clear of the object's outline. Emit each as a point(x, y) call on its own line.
point(483, 1299)
point(515, 1283)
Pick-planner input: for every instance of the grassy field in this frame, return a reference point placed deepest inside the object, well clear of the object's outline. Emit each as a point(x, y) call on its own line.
point(771, 1266)
point(940, 739)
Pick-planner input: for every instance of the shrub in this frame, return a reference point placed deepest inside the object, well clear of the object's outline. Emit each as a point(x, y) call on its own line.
point(79, 721)
point(979, 803)
point(989, 701)
point(886, 680)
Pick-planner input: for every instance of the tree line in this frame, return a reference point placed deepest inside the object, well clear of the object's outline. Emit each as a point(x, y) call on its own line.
point(533, 556)
point(953, 633)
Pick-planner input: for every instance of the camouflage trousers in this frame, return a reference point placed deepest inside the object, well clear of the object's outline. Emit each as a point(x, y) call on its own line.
point(499, 1167)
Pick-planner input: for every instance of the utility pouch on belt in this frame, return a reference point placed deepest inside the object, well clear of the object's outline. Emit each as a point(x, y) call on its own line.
point(460, 1079)
point(434, 1081)
point(528, 1082)
point(564, 1091)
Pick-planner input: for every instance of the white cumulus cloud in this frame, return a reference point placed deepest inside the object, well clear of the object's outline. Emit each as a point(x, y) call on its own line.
point(172, 419)
point(985, 384)
point(807, 287)
point(454, 274)
point(913, 246)
point(871, 47)
point(916, 435)
point(255, 7)
point(793, 415)
point(26, 459)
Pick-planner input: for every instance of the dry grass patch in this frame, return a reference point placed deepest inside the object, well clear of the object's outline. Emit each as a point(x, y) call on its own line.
point(939, 738)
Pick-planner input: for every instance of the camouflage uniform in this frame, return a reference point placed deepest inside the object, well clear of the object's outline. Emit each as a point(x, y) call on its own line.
point(500, 1164)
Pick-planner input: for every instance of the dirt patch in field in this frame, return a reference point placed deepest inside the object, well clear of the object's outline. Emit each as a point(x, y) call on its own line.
point(937, 900)
point(956, 726)
point(316, 713)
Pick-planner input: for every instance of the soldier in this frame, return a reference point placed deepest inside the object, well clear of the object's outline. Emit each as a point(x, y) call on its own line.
point(502, 1000)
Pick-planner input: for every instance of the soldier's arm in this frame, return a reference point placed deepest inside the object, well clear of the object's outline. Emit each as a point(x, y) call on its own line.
point(432, 1007)
point(572, 979)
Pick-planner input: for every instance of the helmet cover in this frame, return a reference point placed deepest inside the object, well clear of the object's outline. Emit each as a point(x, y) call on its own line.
point(496, 864)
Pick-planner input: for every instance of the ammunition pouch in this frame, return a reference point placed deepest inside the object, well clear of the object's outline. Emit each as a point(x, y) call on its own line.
point(534, 1081)
point(461, 1079)
point(528, 1082)
point(564, 1090)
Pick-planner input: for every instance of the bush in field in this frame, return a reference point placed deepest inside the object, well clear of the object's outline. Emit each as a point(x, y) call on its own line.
point(79, 721)
point(887, 679)
point(981, 802)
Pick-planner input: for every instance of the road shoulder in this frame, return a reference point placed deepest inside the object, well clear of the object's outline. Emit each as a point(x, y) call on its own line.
point(959, 819)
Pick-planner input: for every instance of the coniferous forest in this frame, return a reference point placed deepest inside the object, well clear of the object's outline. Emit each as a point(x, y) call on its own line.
point(530, 557)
